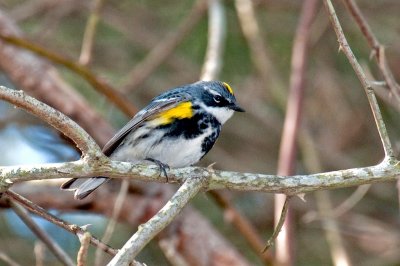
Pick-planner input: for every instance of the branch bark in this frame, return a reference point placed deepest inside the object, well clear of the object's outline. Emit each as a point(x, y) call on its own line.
point(158, 222)
point(41, 80)
point(387, 170)
point(345, 47)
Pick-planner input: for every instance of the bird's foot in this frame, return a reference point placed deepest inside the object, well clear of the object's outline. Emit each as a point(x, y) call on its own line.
point(163, 167)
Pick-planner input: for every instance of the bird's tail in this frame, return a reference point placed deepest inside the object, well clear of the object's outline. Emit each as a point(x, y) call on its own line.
point(83, 186)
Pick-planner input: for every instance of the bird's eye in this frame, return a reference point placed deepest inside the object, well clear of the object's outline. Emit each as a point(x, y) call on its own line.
point(217, 98)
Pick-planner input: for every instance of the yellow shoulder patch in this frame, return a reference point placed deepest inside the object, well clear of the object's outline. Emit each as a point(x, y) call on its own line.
point(228, 88)
point(181, 111)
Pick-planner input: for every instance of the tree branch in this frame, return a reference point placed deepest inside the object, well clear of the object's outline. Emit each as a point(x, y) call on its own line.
point(378, 50)
point(158, 222)
point(6, 259)
point(56, 119)
point(344, 46)
point(32, 207)
point(288, 146)
point(99, 84)
point(279, 225)
point(90, 32)
point(216, 39)
point(388, 170)
point(165, 47)
point(385, 171)
point(57, 251)
point(83, 250)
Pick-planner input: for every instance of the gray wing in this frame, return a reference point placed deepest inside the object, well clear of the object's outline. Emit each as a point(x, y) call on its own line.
point(157, 106)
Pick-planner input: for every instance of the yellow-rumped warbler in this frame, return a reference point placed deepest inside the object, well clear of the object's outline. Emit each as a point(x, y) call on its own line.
point(176, 129)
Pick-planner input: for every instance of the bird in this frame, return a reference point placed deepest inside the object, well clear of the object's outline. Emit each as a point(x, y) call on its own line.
point(176, 129)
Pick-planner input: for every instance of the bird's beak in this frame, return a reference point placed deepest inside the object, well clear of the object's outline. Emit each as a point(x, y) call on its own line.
point(236, 108)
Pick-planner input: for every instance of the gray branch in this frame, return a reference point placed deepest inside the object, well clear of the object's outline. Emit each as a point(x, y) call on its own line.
point(158, 222)
point(94, 163)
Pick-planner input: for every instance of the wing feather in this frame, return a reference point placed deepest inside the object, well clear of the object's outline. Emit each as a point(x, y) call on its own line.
point(157, 106)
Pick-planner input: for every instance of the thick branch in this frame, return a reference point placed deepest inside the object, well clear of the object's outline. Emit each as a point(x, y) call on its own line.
point(157, 223)
point(53, 117)
point(388, 170)
point(40, 79)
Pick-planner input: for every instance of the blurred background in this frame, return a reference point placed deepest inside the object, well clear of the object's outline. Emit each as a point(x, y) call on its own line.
point(142, 48)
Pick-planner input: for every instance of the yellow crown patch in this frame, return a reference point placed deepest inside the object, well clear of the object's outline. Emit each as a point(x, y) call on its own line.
point(228, 88)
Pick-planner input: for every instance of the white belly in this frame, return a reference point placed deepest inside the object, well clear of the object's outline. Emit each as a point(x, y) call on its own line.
point(173, 152)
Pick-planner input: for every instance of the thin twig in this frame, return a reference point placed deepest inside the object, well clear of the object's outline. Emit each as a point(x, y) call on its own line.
point(72, 228)
point(216, 40)
point(351, 201)
point(378, 49)
point(165, 47)
point(158, 222)
point(99, 84)
point(39, 251)
point(170, 248)
point(344, 46)
point(57, 251)
point(334, 239)
point(123, 191)
point(83, 250)
point(6, 259)
point(210, 71)
point(279, 225)
point(332, 231)
point(263, 62)
point(243, 225)
point(90, 31)
point(288, 147)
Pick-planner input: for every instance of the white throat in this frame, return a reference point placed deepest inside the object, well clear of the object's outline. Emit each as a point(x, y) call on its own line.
point(221, 113)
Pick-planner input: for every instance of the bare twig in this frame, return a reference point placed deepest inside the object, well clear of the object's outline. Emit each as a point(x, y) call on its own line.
point(279, 225)
point(288, 147)
point(83, 250)
point(90, 31)
point(40, 79)
point(243, 225)
point(378, 50)
point(313, 164)
point(99, 84)
point(32, 207)
point(58, 252)
point(151, 228)
point(216, 40)
point(6, 259)
point(113, 220)
point(165, 47)
point(258, 50)
point(169, 248)
point(332, 232)
point(344, 46)
point(351, 201)
point(39, 251)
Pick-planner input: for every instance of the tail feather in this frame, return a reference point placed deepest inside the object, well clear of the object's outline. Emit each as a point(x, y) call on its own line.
point(82, 186)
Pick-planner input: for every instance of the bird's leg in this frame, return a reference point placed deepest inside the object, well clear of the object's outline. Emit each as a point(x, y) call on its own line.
point(163, 167)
